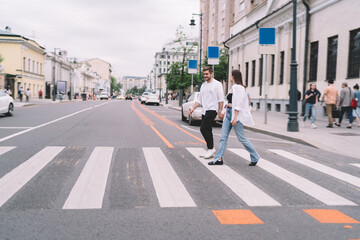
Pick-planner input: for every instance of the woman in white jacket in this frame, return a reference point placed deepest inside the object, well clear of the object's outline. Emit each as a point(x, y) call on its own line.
point(237, 115)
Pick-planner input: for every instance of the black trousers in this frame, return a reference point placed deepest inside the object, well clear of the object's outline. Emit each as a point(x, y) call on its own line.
point(206, 127)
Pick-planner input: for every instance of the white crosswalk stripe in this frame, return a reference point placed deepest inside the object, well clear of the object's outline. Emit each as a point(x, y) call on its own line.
point(247, 191)
point(88, 191)
point(5, 149)
point(169, 188)
point(18, 177)
point(319, 167)
point(299, 182)
point(356, 164)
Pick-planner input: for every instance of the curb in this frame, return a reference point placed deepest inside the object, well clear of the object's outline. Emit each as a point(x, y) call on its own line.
point(284, 137)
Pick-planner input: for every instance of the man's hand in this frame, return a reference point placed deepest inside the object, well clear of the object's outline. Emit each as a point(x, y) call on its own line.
point(221, 115)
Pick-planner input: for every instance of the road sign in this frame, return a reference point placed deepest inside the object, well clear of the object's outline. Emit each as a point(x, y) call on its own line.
point(192, 66)
point(213, 55)
point(266, 40)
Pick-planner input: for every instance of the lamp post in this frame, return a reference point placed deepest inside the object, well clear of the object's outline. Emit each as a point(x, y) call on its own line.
point(54, 76)
point(192, 23)
point(166, 80)
point(293, 125)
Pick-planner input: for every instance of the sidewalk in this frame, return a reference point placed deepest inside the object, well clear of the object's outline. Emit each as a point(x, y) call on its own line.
point(32, 102)
point(339, 140)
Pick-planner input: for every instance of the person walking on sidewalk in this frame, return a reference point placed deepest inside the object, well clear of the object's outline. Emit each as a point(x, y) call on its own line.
point(40, 94)
point(311, 96)
point(346, 95)
point(211, 97)
point(21, 93)
point(331, 94)
point(236, 115)
point(356, 112)
point(28, 94)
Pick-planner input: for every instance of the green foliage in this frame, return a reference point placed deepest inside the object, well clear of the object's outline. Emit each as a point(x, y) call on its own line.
point(174, 77)
point(136, 91)
point(221, 70)
point(1, 58)
point(115, 86)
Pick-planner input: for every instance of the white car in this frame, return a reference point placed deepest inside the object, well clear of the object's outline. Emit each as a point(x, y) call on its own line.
point(143, 97)
point(152, 98)
point(196, 116)
point(104, 95)
point(120, 97)
point(6, 103)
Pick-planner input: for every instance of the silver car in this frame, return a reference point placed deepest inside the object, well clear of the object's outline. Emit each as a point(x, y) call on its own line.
point(6, 103)
point(196, 116)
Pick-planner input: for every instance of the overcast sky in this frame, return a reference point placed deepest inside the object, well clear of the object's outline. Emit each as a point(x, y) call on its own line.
point(125, 33)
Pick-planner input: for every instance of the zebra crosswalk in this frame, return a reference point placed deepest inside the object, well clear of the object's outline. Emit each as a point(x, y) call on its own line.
point(90, 181)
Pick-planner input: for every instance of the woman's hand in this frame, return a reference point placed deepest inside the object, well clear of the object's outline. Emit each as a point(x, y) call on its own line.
point(233, 123)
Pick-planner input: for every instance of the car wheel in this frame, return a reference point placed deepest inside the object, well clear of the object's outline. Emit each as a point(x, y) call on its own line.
point(10, 110)
point(183, 118)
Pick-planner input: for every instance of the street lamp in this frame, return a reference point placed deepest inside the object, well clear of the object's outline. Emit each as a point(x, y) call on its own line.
point(192, 23)
point(293, 125)
point(166, 81)
point(54, 76)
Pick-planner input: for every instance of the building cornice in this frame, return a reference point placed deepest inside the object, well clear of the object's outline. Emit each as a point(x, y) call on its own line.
point(24, 43)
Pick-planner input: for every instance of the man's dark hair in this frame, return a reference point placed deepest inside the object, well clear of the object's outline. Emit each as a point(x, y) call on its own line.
point(331, 81)
point(208, 68)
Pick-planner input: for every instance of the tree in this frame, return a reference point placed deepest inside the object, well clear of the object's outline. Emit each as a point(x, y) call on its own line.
point(1, 58)
point(115, 86)
point(174, 76)
point(136, 91)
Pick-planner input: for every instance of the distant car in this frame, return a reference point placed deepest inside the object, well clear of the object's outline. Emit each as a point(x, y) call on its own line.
point(120, 97)
point(152, 98)
point(6, 104)
point(196, 116)
point(143, 97)
point(104, 95)
point(128, 97)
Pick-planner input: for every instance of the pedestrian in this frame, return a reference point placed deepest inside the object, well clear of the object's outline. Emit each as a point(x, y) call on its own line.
point(346, 95)
point(211, 97)
point(69, 95)
point(331, 94)
point(40, 94)
point(28, 94)
point(356, 112)
point(237, 115)
point(8, 91)
point(311, 97)
point(21, 93)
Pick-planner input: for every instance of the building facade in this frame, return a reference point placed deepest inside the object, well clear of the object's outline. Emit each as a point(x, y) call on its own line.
point(104, 70)
point(23, 64)
point(86, 81)
point(327, 47)
point(128, 82)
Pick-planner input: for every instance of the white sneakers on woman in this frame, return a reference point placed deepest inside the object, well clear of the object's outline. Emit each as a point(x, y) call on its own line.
point(208, 154)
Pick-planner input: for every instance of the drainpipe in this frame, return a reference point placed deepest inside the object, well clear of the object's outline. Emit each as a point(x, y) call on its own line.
point(306, 49)
point(227, 83)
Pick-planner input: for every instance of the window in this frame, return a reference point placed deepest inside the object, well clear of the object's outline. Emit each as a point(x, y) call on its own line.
point(253, 73)
point(331, 58)
point(314, 51)
point(260, 71)
point(24, 63)
point(354, 54)
point(247, 74)
point(33, 67)
point(37, 67)
point(242, 6)
point(41, 68)
point(282, 63)
point(272, 69)
point(223, 22)
point(29, 65)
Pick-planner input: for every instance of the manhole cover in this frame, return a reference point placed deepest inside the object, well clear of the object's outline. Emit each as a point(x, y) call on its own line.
point(347, 134)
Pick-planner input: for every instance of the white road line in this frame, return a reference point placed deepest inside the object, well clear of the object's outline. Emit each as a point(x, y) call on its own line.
point(356, 164)
point(18, 177)
point(5, 149)
point(100, 104)
point(242, 187)
point(169, 188)
point(43, 125)
point(319, 167)
point(308, 187)
point(88, 191)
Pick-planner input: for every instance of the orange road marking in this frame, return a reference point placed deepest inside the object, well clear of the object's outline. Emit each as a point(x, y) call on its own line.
point(348, 226)
point(142, 116)
point(329, 216)
point(162, 137)
point(236, 217)
point(171, 123)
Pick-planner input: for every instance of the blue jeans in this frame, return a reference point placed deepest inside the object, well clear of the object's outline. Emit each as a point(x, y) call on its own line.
point(309, 106)
point(239, 131)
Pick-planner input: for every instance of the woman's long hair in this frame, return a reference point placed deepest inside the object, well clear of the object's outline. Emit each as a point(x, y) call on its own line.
point(237, 77)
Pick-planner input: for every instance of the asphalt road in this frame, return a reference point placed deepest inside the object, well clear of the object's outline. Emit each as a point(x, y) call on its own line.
point(122, 170)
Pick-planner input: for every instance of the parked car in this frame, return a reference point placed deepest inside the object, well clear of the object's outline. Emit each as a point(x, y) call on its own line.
point(128, 97)
point(120, 97)
point(143, 97)
point(196, 116)
point(6, 103)
point(152, 98)
point(103, 95)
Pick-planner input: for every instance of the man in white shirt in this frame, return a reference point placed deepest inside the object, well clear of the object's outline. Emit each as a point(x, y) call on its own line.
point(211, 98)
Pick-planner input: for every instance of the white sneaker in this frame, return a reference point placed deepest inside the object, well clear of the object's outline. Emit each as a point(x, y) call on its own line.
point(202, 155)
point(313, 126)
point(303, 124)
point(210, 153)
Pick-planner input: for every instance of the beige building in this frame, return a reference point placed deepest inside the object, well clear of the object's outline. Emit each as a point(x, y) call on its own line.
point(23, 64)
point(327, 46)
point(104, 70)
